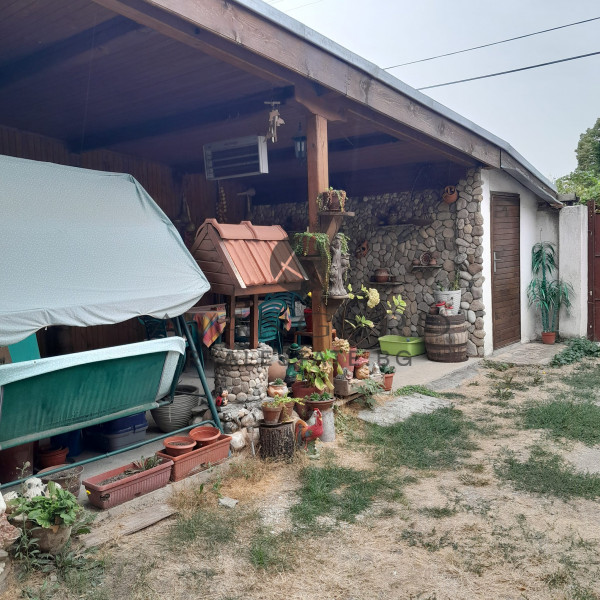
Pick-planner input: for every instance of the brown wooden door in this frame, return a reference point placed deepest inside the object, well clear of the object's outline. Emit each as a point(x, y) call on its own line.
point(593, 273)
point(506, 269)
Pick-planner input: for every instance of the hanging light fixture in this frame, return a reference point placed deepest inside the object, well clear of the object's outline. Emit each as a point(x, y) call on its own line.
point(300, 144)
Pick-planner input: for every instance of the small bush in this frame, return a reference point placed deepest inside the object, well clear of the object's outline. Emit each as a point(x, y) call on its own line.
point(576, 349)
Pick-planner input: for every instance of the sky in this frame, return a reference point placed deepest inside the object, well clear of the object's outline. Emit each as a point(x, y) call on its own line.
point(540, 112)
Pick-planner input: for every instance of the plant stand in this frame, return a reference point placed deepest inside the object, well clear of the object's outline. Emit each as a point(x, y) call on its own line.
point(277, 441)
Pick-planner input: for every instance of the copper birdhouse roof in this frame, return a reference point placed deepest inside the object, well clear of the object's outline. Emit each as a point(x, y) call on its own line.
point(247, 259)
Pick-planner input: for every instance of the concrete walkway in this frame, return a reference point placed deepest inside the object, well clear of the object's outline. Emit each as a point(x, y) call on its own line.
point(523, 355)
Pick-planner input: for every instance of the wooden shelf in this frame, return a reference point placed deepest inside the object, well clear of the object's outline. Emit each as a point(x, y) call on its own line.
point(413, 267)
point(335, 213)
point(386, 283)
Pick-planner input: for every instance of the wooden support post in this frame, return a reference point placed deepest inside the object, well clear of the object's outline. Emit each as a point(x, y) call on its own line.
point(254, 323)
point(318, 181)
point(230, 332)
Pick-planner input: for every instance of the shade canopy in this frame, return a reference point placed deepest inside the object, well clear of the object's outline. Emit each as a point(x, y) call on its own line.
point(81, 247)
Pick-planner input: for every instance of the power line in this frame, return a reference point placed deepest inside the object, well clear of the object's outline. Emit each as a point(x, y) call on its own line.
point(520, 37)
point(428, 87)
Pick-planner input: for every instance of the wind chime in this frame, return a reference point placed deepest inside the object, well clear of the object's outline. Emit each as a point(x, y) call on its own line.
point(275, 120)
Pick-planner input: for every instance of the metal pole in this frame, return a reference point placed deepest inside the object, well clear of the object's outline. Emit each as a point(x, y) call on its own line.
point(180, 322)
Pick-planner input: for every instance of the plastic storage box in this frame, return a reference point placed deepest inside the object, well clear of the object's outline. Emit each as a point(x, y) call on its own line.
point(116, 434)
point(398, 345)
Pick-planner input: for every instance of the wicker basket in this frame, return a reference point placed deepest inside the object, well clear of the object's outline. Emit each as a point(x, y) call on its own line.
point(178, 414)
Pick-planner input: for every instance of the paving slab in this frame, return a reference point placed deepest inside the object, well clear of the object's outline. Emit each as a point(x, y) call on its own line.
point(402, 407)
point(530, 354)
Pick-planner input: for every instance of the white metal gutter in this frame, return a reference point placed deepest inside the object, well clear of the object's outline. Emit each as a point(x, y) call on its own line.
point(310, 35)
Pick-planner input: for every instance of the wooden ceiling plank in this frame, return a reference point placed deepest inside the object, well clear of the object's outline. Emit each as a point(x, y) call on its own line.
point(201, 116)
point(65, 50)
point(246, 29)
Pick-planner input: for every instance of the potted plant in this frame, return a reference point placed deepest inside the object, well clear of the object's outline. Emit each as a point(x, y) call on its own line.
point(449, 294)
point(48, 518)
point(345, 353)
point(388, 375)
point(322, 401)
point(287, 406)
point(314, 373)
point(277, 388)
point(129, 481)
point(271, 411)
point(333, 200)
point(545, 293)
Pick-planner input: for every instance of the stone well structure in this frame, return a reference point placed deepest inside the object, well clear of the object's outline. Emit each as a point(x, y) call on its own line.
point(242, 371)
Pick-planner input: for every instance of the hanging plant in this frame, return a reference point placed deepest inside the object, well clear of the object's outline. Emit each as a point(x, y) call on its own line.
point(308, 243)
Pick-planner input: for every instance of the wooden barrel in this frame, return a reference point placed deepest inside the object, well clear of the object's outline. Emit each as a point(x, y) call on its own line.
point(446, 338)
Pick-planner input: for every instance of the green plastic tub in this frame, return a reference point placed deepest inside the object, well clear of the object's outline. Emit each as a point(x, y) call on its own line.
point(398, 345)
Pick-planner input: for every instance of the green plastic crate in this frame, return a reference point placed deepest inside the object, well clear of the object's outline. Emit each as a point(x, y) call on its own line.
point(398, 345)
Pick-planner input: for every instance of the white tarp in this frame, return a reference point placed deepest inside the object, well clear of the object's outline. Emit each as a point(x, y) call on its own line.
point(81, 247)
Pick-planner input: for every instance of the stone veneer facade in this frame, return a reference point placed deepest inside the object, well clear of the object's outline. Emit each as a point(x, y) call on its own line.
point(454, 237)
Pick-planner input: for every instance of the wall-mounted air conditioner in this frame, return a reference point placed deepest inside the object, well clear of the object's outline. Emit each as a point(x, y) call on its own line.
point(236, 158)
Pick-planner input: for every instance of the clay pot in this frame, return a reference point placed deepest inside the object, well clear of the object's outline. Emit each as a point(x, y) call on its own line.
point(277, 368)
point(382, 275)
point(50, 541)
point(450, 194)
point(548, 337)
point(277, 390)
point(205, 434)
point(52, 457)
point(388, 379)
point(286, 411)
point(300, 389)
point(179, 444)
point(271, 413)
point(69, 479)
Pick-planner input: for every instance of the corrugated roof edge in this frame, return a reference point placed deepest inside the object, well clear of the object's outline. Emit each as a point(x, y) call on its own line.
point(310, 35)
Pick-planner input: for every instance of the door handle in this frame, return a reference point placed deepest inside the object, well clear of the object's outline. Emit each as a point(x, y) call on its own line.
point(495, 261)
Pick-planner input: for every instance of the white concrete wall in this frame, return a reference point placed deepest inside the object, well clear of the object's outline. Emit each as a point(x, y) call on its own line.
point(535, 226)
point(573, 268)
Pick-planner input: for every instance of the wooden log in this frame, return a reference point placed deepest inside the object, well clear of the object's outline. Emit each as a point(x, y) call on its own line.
point(277, 441)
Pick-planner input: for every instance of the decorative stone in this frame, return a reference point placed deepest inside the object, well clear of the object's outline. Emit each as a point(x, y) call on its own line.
point(476, 305)
point(467, 297)
point(461, 242)
point(238, 440)
point(478, 323)
point(8, 533)
point(480, 334)
point(471, 348)
point(475, 268)
point(228, 502)
point(471, 316)
point(477, 292)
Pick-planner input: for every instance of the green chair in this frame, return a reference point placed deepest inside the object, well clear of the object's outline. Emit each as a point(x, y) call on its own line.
point(157, 329)
point(269, 323)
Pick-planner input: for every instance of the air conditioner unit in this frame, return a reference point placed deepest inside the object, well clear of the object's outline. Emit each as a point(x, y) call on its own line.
point(239, 157)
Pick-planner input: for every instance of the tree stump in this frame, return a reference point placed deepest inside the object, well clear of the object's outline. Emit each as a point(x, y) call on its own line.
point(277, 441)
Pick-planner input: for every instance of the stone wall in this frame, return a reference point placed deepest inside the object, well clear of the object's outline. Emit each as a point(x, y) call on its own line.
point(453, 236)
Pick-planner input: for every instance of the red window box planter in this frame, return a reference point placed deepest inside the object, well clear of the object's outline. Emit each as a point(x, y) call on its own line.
point(198, 460)
point(117, 492)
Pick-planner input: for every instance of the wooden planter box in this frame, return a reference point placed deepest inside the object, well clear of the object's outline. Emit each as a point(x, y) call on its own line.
point(195, 461)
point(343, 387)
point(117, 492)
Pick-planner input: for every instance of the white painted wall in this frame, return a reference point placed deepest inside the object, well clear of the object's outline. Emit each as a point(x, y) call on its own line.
point(573, 267)
point(535, 226)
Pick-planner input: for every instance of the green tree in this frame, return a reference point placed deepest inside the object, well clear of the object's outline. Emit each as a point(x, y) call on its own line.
point(585, 179)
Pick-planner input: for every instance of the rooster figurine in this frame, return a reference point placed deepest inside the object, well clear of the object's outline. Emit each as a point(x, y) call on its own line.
point(310, 431)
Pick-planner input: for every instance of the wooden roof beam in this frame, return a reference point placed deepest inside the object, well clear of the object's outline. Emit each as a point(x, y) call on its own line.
point(283, 49)
point(204, 115)
point(63, 51)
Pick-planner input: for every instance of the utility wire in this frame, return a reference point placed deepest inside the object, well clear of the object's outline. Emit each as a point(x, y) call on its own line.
point(553, 62)
point(520, 37)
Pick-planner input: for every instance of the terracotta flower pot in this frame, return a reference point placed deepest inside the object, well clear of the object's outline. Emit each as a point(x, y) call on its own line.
point(548, 337)
point(301, 389)
point(205, 434)
point(179, 444)
point(450, 194)
point(382, 275)
point(388, 379)
point(52, 457)
point(286, 411)
point(276, 390)
point(271, 413)
point(69, 479)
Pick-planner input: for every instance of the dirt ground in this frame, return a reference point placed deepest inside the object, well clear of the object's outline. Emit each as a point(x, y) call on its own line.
point(489, 541)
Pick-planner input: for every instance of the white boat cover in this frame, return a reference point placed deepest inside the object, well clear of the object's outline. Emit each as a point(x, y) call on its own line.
point(81, 247)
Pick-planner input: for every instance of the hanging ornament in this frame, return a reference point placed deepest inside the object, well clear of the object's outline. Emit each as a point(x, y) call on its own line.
point(222, 205)
point(275, 120)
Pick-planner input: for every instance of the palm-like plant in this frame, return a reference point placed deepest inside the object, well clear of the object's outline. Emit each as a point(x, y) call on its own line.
point(547, 293)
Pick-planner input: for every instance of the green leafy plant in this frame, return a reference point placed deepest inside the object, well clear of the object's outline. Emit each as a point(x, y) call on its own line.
point(323, 397)
point(59, 507)
point(324, 199)
point(368, 390)
point(278, 381)
point(576, 349)
point(301, 246)
point(387, 369)
point(545, 293)
point(317, 369)
point(144, 464)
